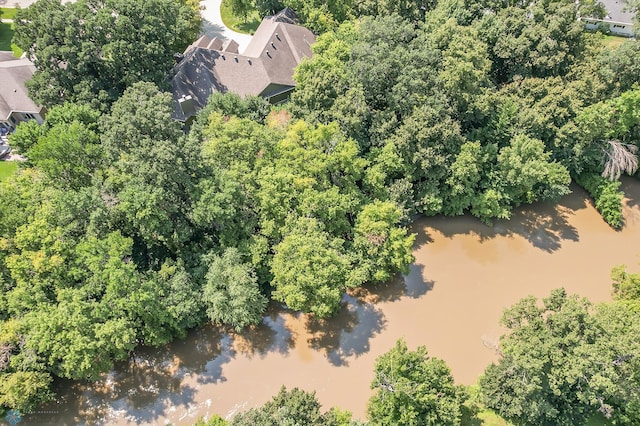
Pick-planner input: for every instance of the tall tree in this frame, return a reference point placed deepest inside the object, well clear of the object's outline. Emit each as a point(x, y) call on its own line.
point(381, 245)
point(150, 176)
point(411, 10)
point(268, 7)
point(289, 407)
point(626, 285)
point(320, 15)
point(231, 293)
point(603, 138)
point(114, 44)
point(414, 389)
point(563, 363)
point(538, 39)
point(310, 269)
point(69, 154)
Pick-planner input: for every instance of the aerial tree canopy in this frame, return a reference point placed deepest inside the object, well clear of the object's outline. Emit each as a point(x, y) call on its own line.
point(121, 230)
point(292, 407)
point(231, 292)
point(412, 388)
point(564, 362)
point(91, 51)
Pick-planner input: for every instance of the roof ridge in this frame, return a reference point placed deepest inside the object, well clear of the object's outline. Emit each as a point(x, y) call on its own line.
point(18, 62)
point(290, 44)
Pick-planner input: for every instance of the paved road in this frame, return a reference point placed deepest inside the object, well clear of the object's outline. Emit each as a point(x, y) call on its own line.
point(22, 3)
point(212, 21)
point(14, 3)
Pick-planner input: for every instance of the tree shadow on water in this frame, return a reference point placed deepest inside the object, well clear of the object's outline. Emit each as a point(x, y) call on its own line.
point(271, 335)
point(347, 334)
point(151, 382)
point(631, 188)
point(412, 285)
point(75, 403)
point(545, 225)
point(147, 386)
point(139, 390)
point(423, 237)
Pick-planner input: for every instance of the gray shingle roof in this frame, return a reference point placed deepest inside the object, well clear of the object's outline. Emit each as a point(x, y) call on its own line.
point(267, 63)
point(13, 93)
point(286, 15)
point(616, 11)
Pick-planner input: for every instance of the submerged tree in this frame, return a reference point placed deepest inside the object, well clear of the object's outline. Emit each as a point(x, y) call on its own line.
point(310, 269)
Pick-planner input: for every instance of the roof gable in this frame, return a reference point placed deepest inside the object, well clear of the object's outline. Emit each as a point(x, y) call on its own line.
point(617, 12)
point(14, 73)
point(275, 50)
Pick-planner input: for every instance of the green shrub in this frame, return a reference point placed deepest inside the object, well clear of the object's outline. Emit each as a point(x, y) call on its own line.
point(214, 420)
point(607, 198)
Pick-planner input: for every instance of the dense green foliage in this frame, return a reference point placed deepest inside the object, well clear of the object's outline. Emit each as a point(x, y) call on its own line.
point(294, 407)
point(120, 230)
point(321, 16)
point(475, 111)
point(298, 185)
point(564, 362)
point(231, 292)
point(608, 199)
point(414, 389)
point(240, 8)
point(90, 51)
point(268, 7)
point(214, 420)
point(86, 271)
point(626, 285)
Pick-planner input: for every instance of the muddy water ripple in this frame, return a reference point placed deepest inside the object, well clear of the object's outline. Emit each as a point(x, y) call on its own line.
point(465, 274)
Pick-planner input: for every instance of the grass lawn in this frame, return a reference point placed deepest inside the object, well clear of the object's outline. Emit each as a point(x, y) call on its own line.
point(8, 12)
point(237, 24)
point(485, 417)
point(7, 168)
point(474, 413)
point(6, 35)
point(598, 420)
point(613, 42)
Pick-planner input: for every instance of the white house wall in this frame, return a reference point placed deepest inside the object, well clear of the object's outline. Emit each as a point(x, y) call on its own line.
point(616, 28)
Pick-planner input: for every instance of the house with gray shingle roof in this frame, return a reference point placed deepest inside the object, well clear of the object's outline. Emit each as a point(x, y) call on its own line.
point(618, 19)
point(264, 69)
point(15, 104)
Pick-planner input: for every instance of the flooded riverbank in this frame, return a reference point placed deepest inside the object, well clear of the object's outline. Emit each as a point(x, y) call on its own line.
point(465, 274)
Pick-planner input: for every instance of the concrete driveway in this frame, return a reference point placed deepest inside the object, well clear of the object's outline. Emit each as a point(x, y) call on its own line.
point(16, 3)
point(22, 3)
point(213, 26)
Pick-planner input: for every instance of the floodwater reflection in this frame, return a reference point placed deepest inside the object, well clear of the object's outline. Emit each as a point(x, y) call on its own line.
point(546, 227)
point(348, 334)
point(464, 275)
point(158, 382)
point(271, 335)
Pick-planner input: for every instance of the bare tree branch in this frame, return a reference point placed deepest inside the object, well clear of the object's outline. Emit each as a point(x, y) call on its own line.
point(5, 355)
point(619, 157)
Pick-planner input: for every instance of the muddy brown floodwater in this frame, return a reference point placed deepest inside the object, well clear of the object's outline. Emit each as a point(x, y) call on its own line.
point(465, 274)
